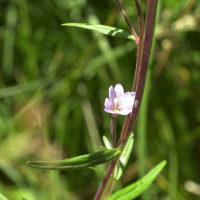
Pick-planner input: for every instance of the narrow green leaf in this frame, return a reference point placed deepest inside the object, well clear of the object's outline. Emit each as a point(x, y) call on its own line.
point(107, 142)
point(124, 157)
point(108, 30)
point(104, 148)
point(79, 162)
point(135, 189)
point(98, 170)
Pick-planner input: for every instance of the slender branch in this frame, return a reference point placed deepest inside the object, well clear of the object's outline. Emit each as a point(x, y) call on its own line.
point(127, 21)
point(124, 129)
point(106, 178)
point(142, 64)
point(149, 30)
point(139, 49)
point(138, 63)
point(113, 131)
point(139, 56)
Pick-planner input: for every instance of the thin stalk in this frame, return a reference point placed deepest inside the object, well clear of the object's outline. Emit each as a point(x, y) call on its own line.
point(106, 178)
point(149, 30)
point(124, 129)
point(143, 66)
point(139, 52)
point(127, 21)
point(113, 131)
point(140, 43)
point(138, 63)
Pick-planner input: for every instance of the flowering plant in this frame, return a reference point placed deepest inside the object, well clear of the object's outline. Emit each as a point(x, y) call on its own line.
point(119, 103)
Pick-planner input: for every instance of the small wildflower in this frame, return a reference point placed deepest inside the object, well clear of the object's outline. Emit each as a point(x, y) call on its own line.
point(119, 102)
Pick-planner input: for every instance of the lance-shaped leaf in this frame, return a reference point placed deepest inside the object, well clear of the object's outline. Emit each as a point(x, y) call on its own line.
point(79, 162)
point(135, 189)
point(107, 142)
point(124, 157)
point(107, 30)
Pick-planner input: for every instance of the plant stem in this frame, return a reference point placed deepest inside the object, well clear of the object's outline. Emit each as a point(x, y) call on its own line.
point(106, 178)
point(149, 30)
point(140, 43)
point(142, 67)
point(139, 52)
point(113, 131)
point(127, 21)
point(124, 129)
point(139, 57)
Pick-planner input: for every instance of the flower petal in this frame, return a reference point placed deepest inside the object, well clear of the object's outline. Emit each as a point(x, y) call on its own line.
point(119, 102)
point(107, 104)
point(126, 100)
point(125, 112)
point(119, 90)
point(110, 111)
point(131, 93)
point(112, 96)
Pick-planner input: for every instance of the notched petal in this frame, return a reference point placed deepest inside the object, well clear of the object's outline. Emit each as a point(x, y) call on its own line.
point(119, 90)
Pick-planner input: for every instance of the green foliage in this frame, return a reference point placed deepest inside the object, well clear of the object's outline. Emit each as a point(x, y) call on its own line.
point(78, 162)
point(53, 83)
point(135, 189)
point(124, 158)
point(107, 30)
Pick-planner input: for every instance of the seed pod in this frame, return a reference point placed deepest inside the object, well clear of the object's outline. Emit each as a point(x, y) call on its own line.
point(79, 162)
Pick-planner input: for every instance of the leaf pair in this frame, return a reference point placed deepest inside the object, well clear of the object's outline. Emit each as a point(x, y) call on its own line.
point(79, 162)
point(90, 160)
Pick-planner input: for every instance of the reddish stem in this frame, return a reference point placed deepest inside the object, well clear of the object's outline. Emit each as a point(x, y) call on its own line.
point(106, 178)
point(149, 30)
point(124, 129)
point(142, 67)
point(139, 53)
point(139, 49)
point(113, 131)
point(127, 21)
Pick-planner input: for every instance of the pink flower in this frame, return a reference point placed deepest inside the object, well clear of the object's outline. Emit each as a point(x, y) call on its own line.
point(119, 102)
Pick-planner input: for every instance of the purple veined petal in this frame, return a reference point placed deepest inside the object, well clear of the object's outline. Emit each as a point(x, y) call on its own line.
point(107, 104)
point(119, 90)
point(112, 95)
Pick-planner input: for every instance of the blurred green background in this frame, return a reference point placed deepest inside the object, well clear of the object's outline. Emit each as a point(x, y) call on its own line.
point(53, 83)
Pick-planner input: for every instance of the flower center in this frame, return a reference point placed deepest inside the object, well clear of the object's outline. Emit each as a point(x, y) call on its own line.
point(116, 106)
